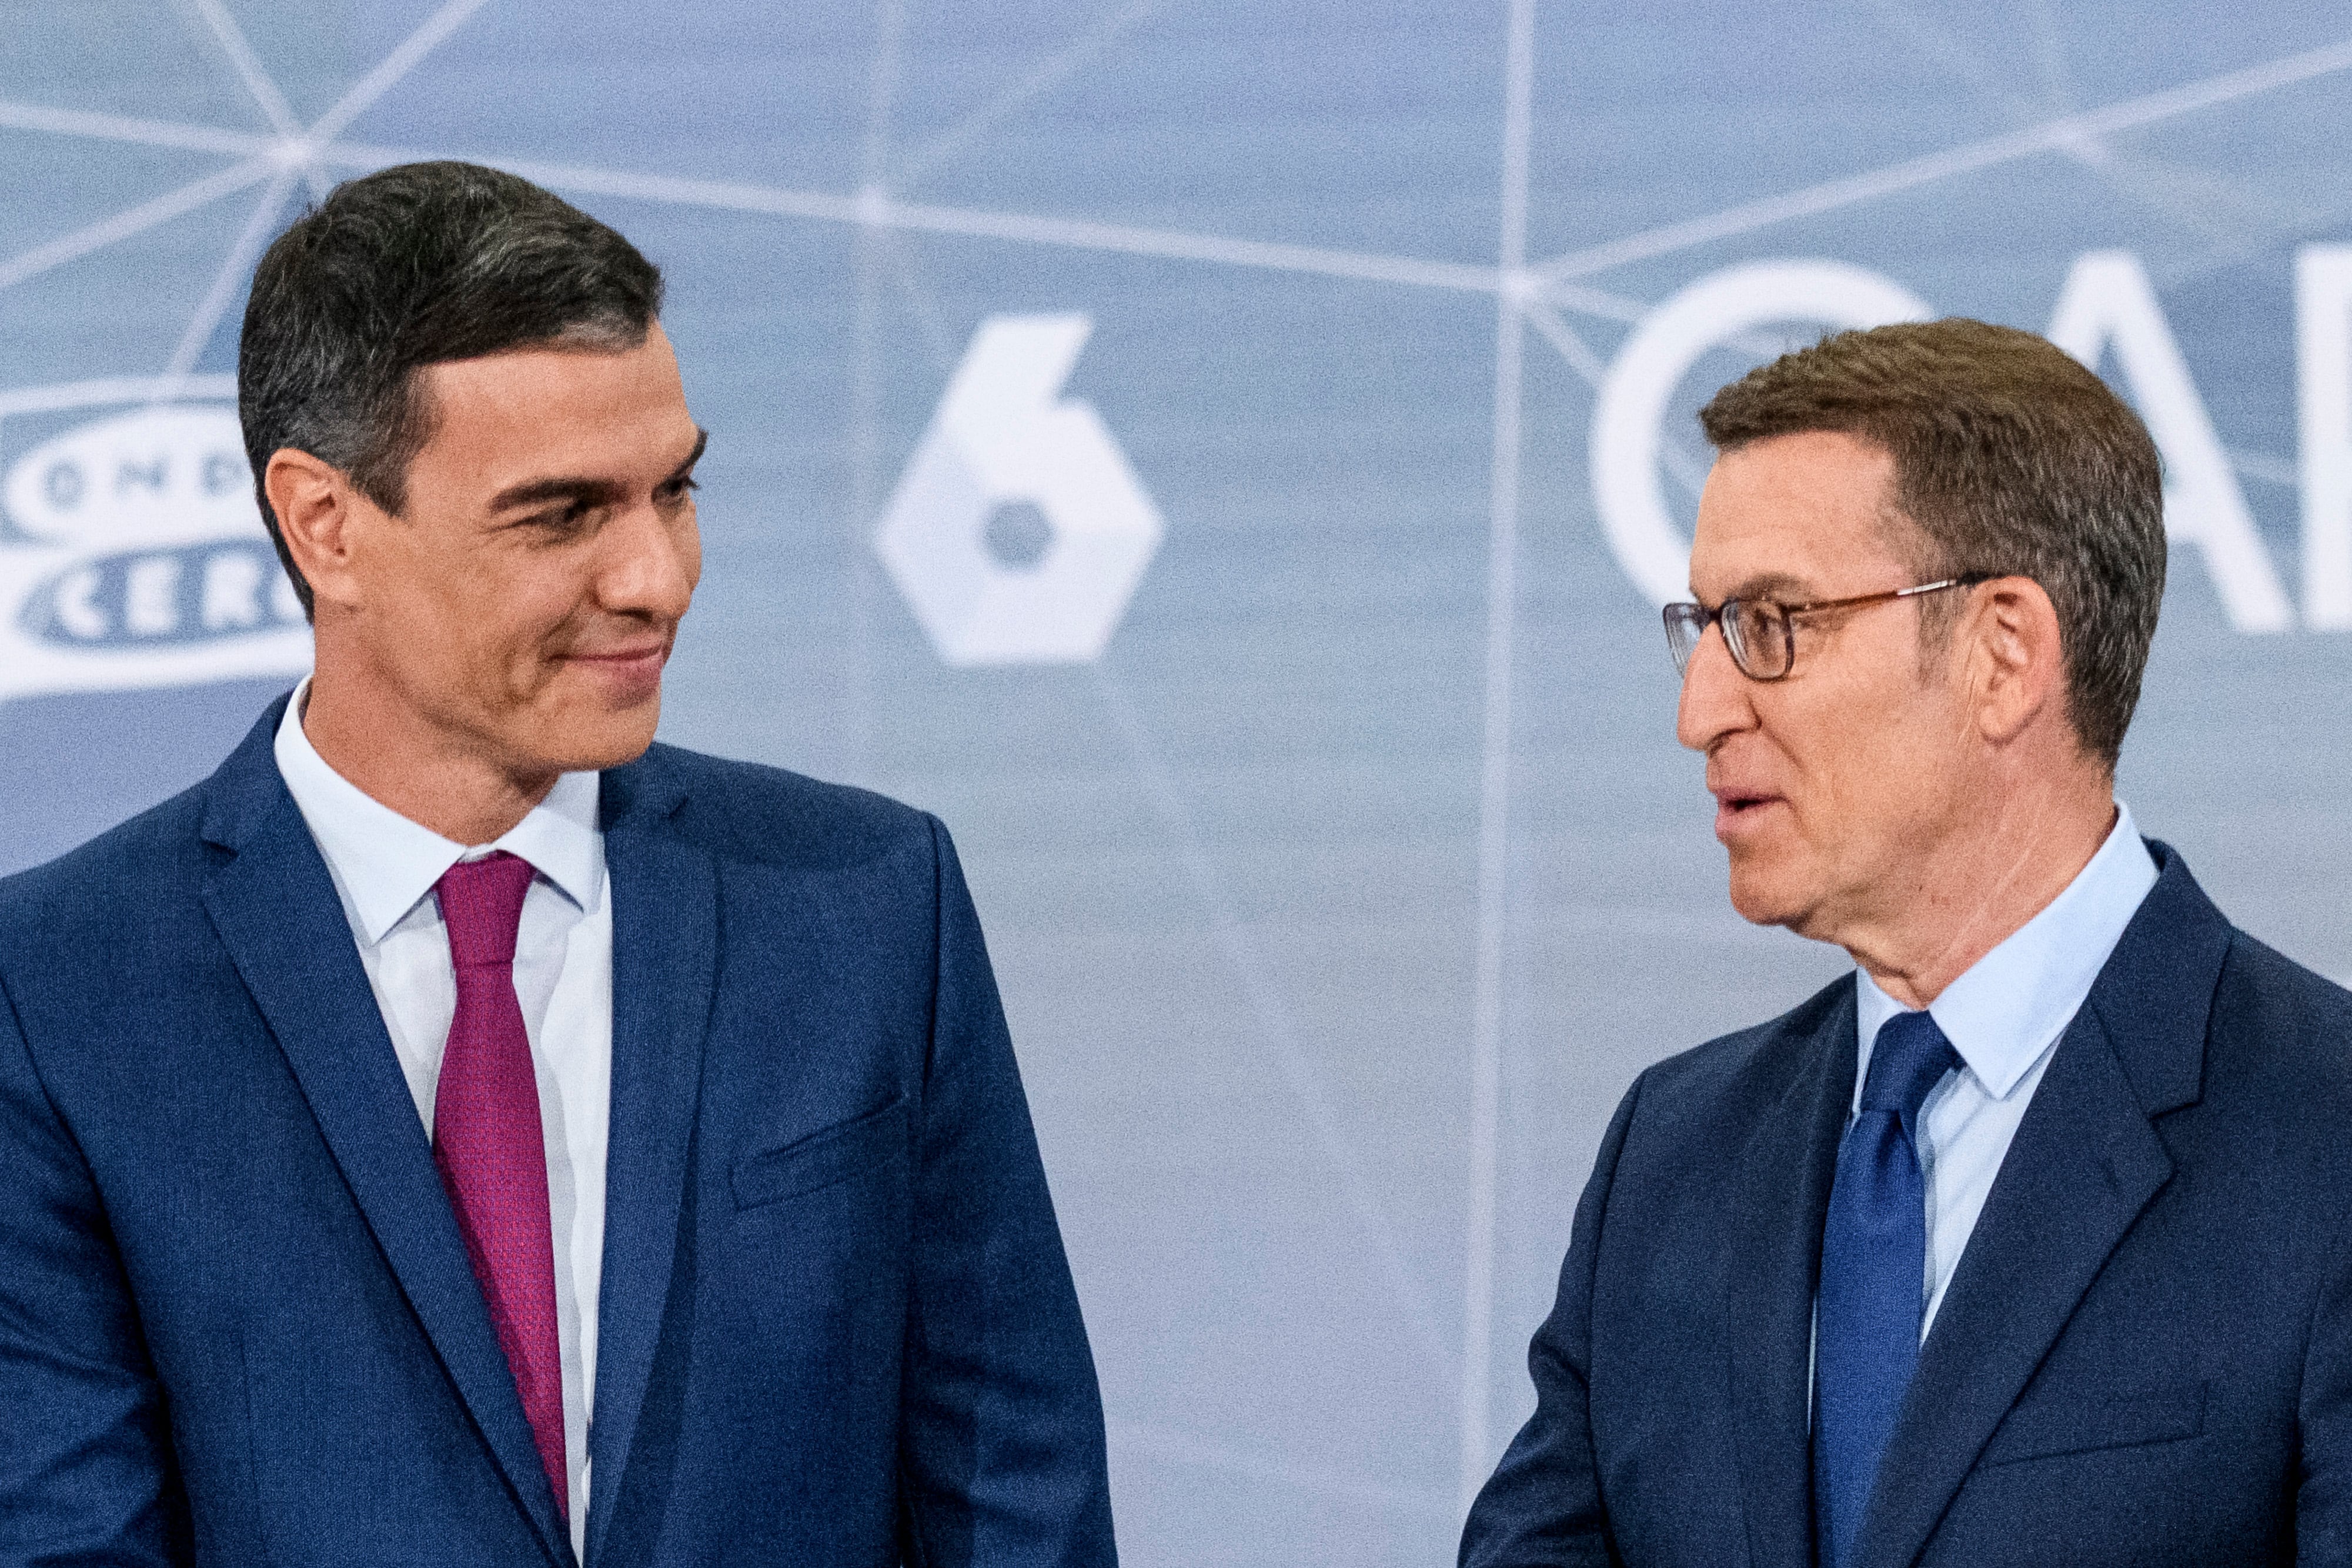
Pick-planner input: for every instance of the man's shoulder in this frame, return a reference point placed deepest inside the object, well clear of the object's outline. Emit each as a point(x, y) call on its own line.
point(109, 883)
point(1736, 1072)
point(2254, 969)
point(2192, 1003)
point(2273, 1017)
point(752, 811)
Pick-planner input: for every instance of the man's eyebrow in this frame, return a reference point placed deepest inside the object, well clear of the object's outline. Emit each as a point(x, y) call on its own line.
point(701, 442)
point(582, 490)
point(1779, 585)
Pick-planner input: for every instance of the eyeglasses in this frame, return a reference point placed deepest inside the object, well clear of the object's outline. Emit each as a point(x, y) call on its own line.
point(1762, 634)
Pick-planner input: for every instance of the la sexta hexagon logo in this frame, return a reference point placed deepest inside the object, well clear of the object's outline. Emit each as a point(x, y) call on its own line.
point(1018, 532)
point(133, 554)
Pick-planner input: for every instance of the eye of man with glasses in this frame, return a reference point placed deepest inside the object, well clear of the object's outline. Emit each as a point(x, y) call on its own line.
point(1761, 633)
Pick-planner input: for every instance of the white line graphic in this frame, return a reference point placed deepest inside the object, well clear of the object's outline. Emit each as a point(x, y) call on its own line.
point(250, 70)
point(1495, 769)
point(110, 390)
point(207, 315)
point(1273, 1019)
point(389, 71)
point(882, 210)
point(139, 132)
point(866, 407)
point(2062, 134)
point(137, 220)
point(2224, 216)
point(1051, 74)
point(1581, 359)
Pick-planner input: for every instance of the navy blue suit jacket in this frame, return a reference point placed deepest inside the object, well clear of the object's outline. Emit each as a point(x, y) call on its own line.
point(237, 1325)
point(2145, 1353)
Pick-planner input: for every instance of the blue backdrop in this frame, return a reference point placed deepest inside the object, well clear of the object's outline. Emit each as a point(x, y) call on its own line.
point(1224, 458)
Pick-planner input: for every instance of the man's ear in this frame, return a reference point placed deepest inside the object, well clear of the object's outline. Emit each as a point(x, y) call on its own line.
point(2017, 668)
point(318, 512)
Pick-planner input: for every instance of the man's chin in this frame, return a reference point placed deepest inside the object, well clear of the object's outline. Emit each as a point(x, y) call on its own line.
point(591, 744)
point(1761, 893)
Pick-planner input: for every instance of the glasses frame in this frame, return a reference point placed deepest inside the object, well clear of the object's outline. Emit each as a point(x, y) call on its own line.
point(1691, 613)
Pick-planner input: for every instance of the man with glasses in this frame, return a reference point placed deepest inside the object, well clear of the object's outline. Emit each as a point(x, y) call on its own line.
point(2027, 1242)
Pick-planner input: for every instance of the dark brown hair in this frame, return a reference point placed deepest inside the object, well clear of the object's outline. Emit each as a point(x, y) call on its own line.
point(2010, 460)
point(410, 266)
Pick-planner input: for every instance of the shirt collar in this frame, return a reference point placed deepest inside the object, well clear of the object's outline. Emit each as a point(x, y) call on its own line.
point(2007, 1008)
point(387, 864)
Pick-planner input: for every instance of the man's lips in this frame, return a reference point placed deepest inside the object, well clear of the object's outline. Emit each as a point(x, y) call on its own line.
point(647, 653)
point(1735, 809)
point(1737, 798)
point(629, 674)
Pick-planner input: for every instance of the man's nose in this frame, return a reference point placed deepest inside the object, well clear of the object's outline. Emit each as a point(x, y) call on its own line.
point(651, 563)
point(1715, 695)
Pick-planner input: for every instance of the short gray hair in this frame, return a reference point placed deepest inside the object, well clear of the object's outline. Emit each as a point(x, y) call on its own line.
point(2013, 460)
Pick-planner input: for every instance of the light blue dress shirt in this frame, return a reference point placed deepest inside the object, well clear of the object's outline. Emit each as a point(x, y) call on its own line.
point(2004, 1016)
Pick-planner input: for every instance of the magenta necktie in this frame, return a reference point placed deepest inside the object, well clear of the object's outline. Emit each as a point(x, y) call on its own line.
point(488, 1141)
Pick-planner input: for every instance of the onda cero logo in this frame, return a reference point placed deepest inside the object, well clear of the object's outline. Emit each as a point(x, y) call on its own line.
point(133, 554)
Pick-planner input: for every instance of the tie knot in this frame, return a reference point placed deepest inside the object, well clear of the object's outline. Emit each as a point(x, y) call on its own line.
point(1911, 1056)
point(481, 904)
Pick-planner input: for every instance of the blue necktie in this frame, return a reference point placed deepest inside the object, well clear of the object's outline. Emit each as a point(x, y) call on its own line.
point(1873, 1279)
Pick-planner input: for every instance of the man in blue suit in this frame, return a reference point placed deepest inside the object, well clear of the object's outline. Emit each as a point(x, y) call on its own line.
point(2027, 1243)
point(461, 1131)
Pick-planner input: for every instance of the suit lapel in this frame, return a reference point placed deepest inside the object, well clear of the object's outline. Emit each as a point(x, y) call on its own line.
point(665, 895)
point(1782, 1196)
point(275, 907)
point(2086, 1162)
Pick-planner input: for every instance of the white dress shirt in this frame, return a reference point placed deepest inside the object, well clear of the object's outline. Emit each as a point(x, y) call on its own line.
point(384, 867)
point(2003, 1017)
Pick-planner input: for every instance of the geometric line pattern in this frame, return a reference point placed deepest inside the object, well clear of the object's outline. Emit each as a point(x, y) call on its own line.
point(1527, 294)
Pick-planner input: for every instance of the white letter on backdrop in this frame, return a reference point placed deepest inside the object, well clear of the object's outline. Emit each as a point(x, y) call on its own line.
point(2109, 299)
point(1626, 419)
point(2322, 338)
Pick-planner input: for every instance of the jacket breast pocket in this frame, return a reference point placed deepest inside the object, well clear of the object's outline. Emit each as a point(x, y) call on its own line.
point(2047, 1427)
point(822, 1158)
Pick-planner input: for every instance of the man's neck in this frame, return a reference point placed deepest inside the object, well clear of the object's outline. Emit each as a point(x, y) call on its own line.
point(1971, 894)
point(399, 760)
